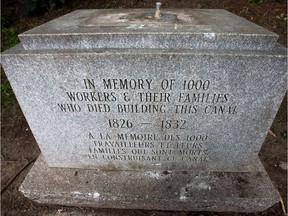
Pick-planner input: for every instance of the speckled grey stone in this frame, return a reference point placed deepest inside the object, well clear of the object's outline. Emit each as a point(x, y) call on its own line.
point(169, 190)
point(136, 28)
point(119, 107)
point(254, 83)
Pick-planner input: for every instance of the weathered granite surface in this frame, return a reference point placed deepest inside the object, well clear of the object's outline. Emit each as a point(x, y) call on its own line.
point(137, 28)
point(161, 190)
point(226, 124)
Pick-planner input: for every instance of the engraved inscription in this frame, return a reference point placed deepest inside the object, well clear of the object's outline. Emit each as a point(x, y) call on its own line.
point(148, 147)
point(168, 106)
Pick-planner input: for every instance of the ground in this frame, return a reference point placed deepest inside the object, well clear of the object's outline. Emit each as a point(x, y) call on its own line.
point(19, 149)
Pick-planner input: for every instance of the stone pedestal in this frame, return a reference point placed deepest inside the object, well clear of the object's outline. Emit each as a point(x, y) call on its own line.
point(160, 190)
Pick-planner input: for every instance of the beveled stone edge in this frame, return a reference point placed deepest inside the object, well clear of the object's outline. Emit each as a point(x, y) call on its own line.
point(65, 199)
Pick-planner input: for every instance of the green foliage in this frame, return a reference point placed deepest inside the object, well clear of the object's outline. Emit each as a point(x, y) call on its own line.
point(8, 38)
point(8, 99)
point(254, 1)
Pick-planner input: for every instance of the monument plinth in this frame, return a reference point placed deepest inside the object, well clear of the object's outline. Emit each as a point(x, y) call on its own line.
point(132, 110)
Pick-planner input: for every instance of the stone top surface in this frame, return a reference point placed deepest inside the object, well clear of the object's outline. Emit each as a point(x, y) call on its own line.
point(137, 28)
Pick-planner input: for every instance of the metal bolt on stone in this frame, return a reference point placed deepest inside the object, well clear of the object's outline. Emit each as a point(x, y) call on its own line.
point(157, 13)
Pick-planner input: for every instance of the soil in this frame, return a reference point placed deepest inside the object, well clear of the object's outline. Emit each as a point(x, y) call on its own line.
point(19, 149)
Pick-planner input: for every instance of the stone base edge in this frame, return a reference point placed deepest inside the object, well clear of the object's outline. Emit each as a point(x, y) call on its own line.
point(151, 190)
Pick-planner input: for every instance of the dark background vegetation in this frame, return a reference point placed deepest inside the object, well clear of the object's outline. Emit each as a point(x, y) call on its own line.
point(19, 149)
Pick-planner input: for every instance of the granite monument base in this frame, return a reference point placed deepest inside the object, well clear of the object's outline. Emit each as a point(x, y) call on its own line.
point(157, 190)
